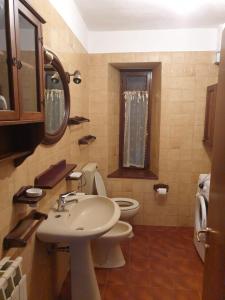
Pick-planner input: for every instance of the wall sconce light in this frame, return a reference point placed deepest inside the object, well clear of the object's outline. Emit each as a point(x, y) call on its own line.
point(219, 40)
point(76, 77)
point(48, 59)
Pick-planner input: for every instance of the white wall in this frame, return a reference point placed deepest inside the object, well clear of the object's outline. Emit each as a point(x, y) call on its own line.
point(153, 40)
point(205, 39)
point(69, 12)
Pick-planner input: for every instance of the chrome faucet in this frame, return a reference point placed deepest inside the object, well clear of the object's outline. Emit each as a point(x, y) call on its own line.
point(62, 202)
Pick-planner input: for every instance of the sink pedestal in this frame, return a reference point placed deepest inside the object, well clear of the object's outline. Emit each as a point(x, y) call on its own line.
point(86, 220)
point(83, 279)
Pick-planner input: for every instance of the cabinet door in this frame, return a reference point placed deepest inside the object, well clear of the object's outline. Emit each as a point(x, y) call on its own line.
point(9, 109)
point(210, 115)
point(30, 60)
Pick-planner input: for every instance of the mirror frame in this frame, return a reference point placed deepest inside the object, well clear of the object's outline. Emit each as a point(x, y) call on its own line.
point(52, 138)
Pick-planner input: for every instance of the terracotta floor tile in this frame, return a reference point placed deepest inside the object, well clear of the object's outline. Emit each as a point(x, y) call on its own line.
point(161, 264)
point(118, 276)
point(160, 293)
point(161, 279)
point(186, 295)
point(136, 255)
point(185, 266)
point(101, 275)
point(120, 292)
point(141, 278)
point(139, 264)
point(142, 293)
point(155, 254)
point(139, 242)
point(187, 282)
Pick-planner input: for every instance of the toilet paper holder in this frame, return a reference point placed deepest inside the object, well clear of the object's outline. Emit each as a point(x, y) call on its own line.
point(160, 186)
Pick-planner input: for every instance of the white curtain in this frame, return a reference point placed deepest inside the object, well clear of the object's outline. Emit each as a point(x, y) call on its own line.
point(54, 109)
point(135, 128)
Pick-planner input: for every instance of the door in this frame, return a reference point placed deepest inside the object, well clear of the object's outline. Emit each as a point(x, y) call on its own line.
point(9, 107)
point(29, 56)
point(214, 278)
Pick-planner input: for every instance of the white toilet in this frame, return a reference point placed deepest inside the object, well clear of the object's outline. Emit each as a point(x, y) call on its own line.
point(95, 185)
point(106, 249)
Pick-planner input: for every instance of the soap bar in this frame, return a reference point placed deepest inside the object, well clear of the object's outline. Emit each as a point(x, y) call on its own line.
point(75, 175)
point(34, 192)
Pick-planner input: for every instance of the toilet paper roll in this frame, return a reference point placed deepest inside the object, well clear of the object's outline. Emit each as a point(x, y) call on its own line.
point(162, 191)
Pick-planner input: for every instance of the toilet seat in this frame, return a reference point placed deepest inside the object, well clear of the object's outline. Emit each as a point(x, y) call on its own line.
point(126, 203)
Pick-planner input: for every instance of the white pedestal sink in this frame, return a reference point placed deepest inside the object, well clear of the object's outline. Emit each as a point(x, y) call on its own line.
point(88, 219)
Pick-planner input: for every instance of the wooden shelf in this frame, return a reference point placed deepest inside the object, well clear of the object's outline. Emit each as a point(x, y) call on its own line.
point(14, 155)
point(20, 234)
point(53, 175)
point(21, 197)
point(86, 140)
point(77, 120)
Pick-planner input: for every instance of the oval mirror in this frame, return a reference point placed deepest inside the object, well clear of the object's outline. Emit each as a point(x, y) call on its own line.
point(57, 99)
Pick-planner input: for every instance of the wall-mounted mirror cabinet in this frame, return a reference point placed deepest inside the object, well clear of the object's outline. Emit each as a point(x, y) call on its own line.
point(57, 99)
point(21, 80)
point(21, 63)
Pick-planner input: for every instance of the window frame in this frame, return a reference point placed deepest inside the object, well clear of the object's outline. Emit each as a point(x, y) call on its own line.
point(123, 75)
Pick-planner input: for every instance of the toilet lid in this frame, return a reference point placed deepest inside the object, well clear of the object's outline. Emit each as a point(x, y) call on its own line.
point(126, 203)
point(100, 186)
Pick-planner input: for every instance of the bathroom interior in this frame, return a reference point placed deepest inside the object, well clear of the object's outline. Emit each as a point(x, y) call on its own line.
point(107, 114)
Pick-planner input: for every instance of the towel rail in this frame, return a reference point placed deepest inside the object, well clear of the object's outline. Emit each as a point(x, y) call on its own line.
point(21, 233)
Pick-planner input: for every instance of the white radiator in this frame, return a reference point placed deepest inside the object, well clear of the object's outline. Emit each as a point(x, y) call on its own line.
point(13, 285)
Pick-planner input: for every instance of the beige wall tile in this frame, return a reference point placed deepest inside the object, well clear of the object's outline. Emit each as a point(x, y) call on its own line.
point(181, 154)
point(185, 76)
point(37, 263)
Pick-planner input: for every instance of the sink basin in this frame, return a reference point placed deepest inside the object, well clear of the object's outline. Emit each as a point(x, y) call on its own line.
point(89, 218)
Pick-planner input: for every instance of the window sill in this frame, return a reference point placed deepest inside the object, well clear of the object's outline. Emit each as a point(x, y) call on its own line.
point(133, 173)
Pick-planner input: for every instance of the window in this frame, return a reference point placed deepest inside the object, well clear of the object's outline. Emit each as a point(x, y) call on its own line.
point(135, 119)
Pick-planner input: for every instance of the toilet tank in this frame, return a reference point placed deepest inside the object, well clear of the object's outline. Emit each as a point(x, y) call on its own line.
point(89, 180)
